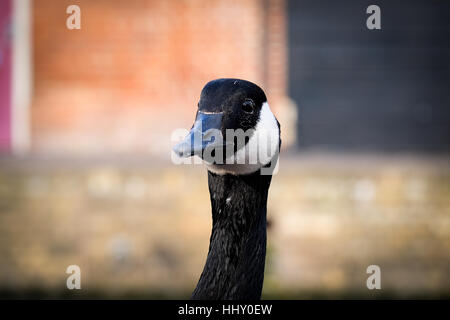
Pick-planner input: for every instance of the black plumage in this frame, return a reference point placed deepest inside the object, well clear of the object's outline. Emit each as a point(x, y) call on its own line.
point(234, 267)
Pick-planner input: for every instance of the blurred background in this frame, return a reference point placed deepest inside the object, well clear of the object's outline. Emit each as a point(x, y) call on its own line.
point(86, 117)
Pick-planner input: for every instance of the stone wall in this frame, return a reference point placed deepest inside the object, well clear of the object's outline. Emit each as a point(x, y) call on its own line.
point(145, 229)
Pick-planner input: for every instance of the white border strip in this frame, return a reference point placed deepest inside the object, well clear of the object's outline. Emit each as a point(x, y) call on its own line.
point(22, 75)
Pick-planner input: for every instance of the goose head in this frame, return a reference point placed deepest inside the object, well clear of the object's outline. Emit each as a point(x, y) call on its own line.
point(234, 131)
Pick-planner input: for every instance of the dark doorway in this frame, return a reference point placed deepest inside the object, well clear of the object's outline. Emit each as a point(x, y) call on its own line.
point(371, 90)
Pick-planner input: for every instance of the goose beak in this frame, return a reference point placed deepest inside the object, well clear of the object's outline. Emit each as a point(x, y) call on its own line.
point(206, 132)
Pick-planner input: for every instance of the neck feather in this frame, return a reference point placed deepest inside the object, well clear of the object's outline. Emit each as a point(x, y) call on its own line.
point(234, 267)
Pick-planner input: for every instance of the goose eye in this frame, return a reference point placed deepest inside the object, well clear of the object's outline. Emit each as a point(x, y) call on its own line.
point(248, 106)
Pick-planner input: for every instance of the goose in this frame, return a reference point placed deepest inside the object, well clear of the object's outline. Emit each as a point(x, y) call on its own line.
point(238, 138)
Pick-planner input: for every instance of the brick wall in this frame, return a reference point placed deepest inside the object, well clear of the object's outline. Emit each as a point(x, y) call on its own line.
point(134, 71)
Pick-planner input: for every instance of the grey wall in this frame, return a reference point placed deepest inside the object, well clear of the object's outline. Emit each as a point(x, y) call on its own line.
point(371, 90)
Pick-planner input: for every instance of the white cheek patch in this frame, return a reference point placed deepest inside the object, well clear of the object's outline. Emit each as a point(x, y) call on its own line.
point(266, 137)
point(260, 149)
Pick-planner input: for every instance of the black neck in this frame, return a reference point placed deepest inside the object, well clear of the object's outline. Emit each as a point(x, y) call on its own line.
point(234, 267)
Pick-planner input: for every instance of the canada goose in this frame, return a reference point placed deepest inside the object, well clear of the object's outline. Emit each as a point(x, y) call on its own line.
point(238, 184)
